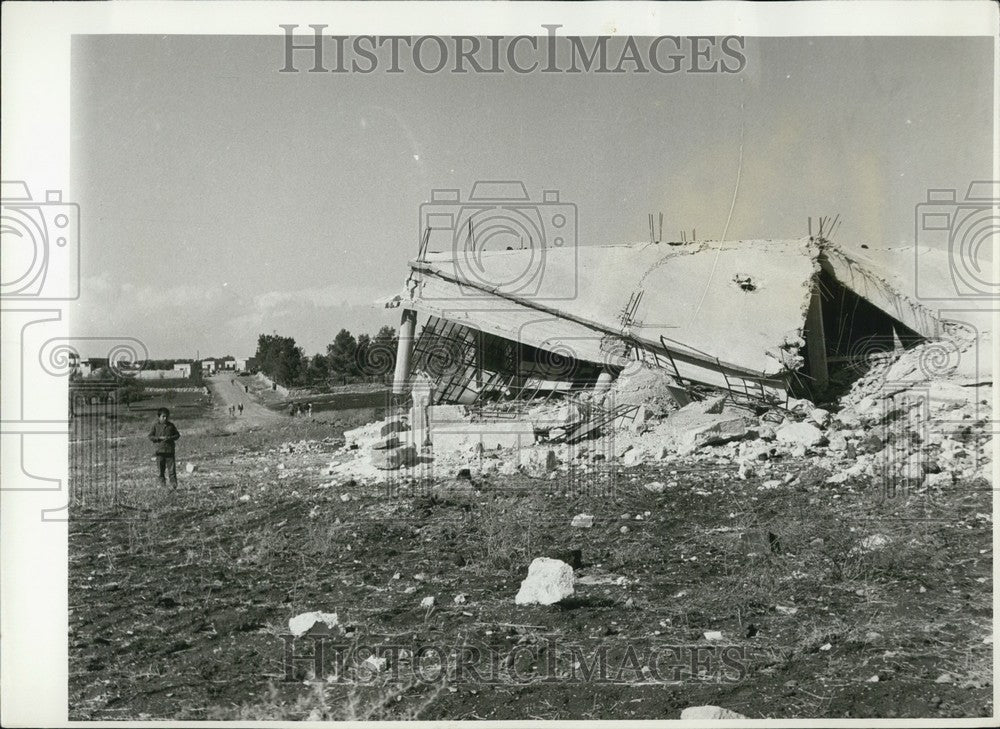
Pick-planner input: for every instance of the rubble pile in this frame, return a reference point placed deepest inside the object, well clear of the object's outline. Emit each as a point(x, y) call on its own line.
point(902, 419)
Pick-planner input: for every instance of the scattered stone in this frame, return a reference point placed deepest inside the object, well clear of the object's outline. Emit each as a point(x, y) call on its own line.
point(786, 610)
point(548, 582)
point(820, 416)
point(817, 542)
point(314, 623)
point(345, 497)
point(376, 664)
point(709, 713)
point(826, 647)
point(713, 635)
point(427, 602)
point(873, 542)
point(871, 443)
point(655, 487)
point(460, 599)
point(624, 530)
point(190, 468)
point(582, 521)
point(872, 636)
point(837, 442)
point(943, 678)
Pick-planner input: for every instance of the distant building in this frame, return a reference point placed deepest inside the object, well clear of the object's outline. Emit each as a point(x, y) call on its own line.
point(208, 366)
point(243, 364)
point(155, 374)
point(182, 369)
point(229, 364)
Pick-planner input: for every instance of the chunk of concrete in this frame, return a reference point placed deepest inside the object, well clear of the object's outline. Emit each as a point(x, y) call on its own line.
point(548, 582)
point(838, 442)
point(799, 434)
point(582, 521)
point(313, 623)
point(712, 430)
point(709, 713)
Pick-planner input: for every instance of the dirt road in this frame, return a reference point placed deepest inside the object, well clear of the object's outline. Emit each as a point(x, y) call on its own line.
point(230, 392)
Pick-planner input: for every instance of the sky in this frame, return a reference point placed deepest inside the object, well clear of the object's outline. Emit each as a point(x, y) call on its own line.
point(221, 199)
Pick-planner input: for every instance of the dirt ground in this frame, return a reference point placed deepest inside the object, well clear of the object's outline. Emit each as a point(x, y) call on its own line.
point(831, 601)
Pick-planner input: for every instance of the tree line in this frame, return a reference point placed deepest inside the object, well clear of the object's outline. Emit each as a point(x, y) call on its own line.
point(347, 358)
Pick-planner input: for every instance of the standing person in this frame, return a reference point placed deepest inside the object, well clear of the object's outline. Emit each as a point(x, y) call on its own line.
point(241, 408)
point(165, 434)
point(309, 409)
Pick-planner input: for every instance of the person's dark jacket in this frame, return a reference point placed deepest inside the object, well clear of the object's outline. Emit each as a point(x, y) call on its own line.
point(164, 435)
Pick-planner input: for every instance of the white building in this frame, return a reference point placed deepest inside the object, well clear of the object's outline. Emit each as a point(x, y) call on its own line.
point(182, 369)
point(208, 366)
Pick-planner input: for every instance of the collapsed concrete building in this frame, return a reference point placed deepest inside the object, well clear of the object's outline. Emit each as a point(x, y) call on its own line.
point(761, 321)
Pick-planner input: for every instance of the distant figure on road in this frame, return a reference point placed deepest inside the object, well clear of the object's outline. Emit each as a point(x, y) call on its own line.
point(246, 389)
point(165, 434)
point(309, 409)
point(241, 408)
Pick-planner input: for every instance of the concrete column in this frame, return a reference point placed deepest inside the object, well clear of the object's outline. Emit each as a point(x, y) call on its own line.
point(816, 340)
point(603, 383)
point(404, 347)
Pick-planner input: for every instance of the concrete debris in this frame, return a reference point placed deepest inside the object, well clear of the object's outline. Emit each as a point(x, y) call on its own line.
point(313, 623)
point(375, 664)
point(190, 468)
point(873, 542)
point(820, 416)
point(427, 602)
point(652, 389)
point(582, 521)
point(799, 434)
point(548, 582)
point(460, 599)
point(709, 713)
point(837, 442)
point(655, 487)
